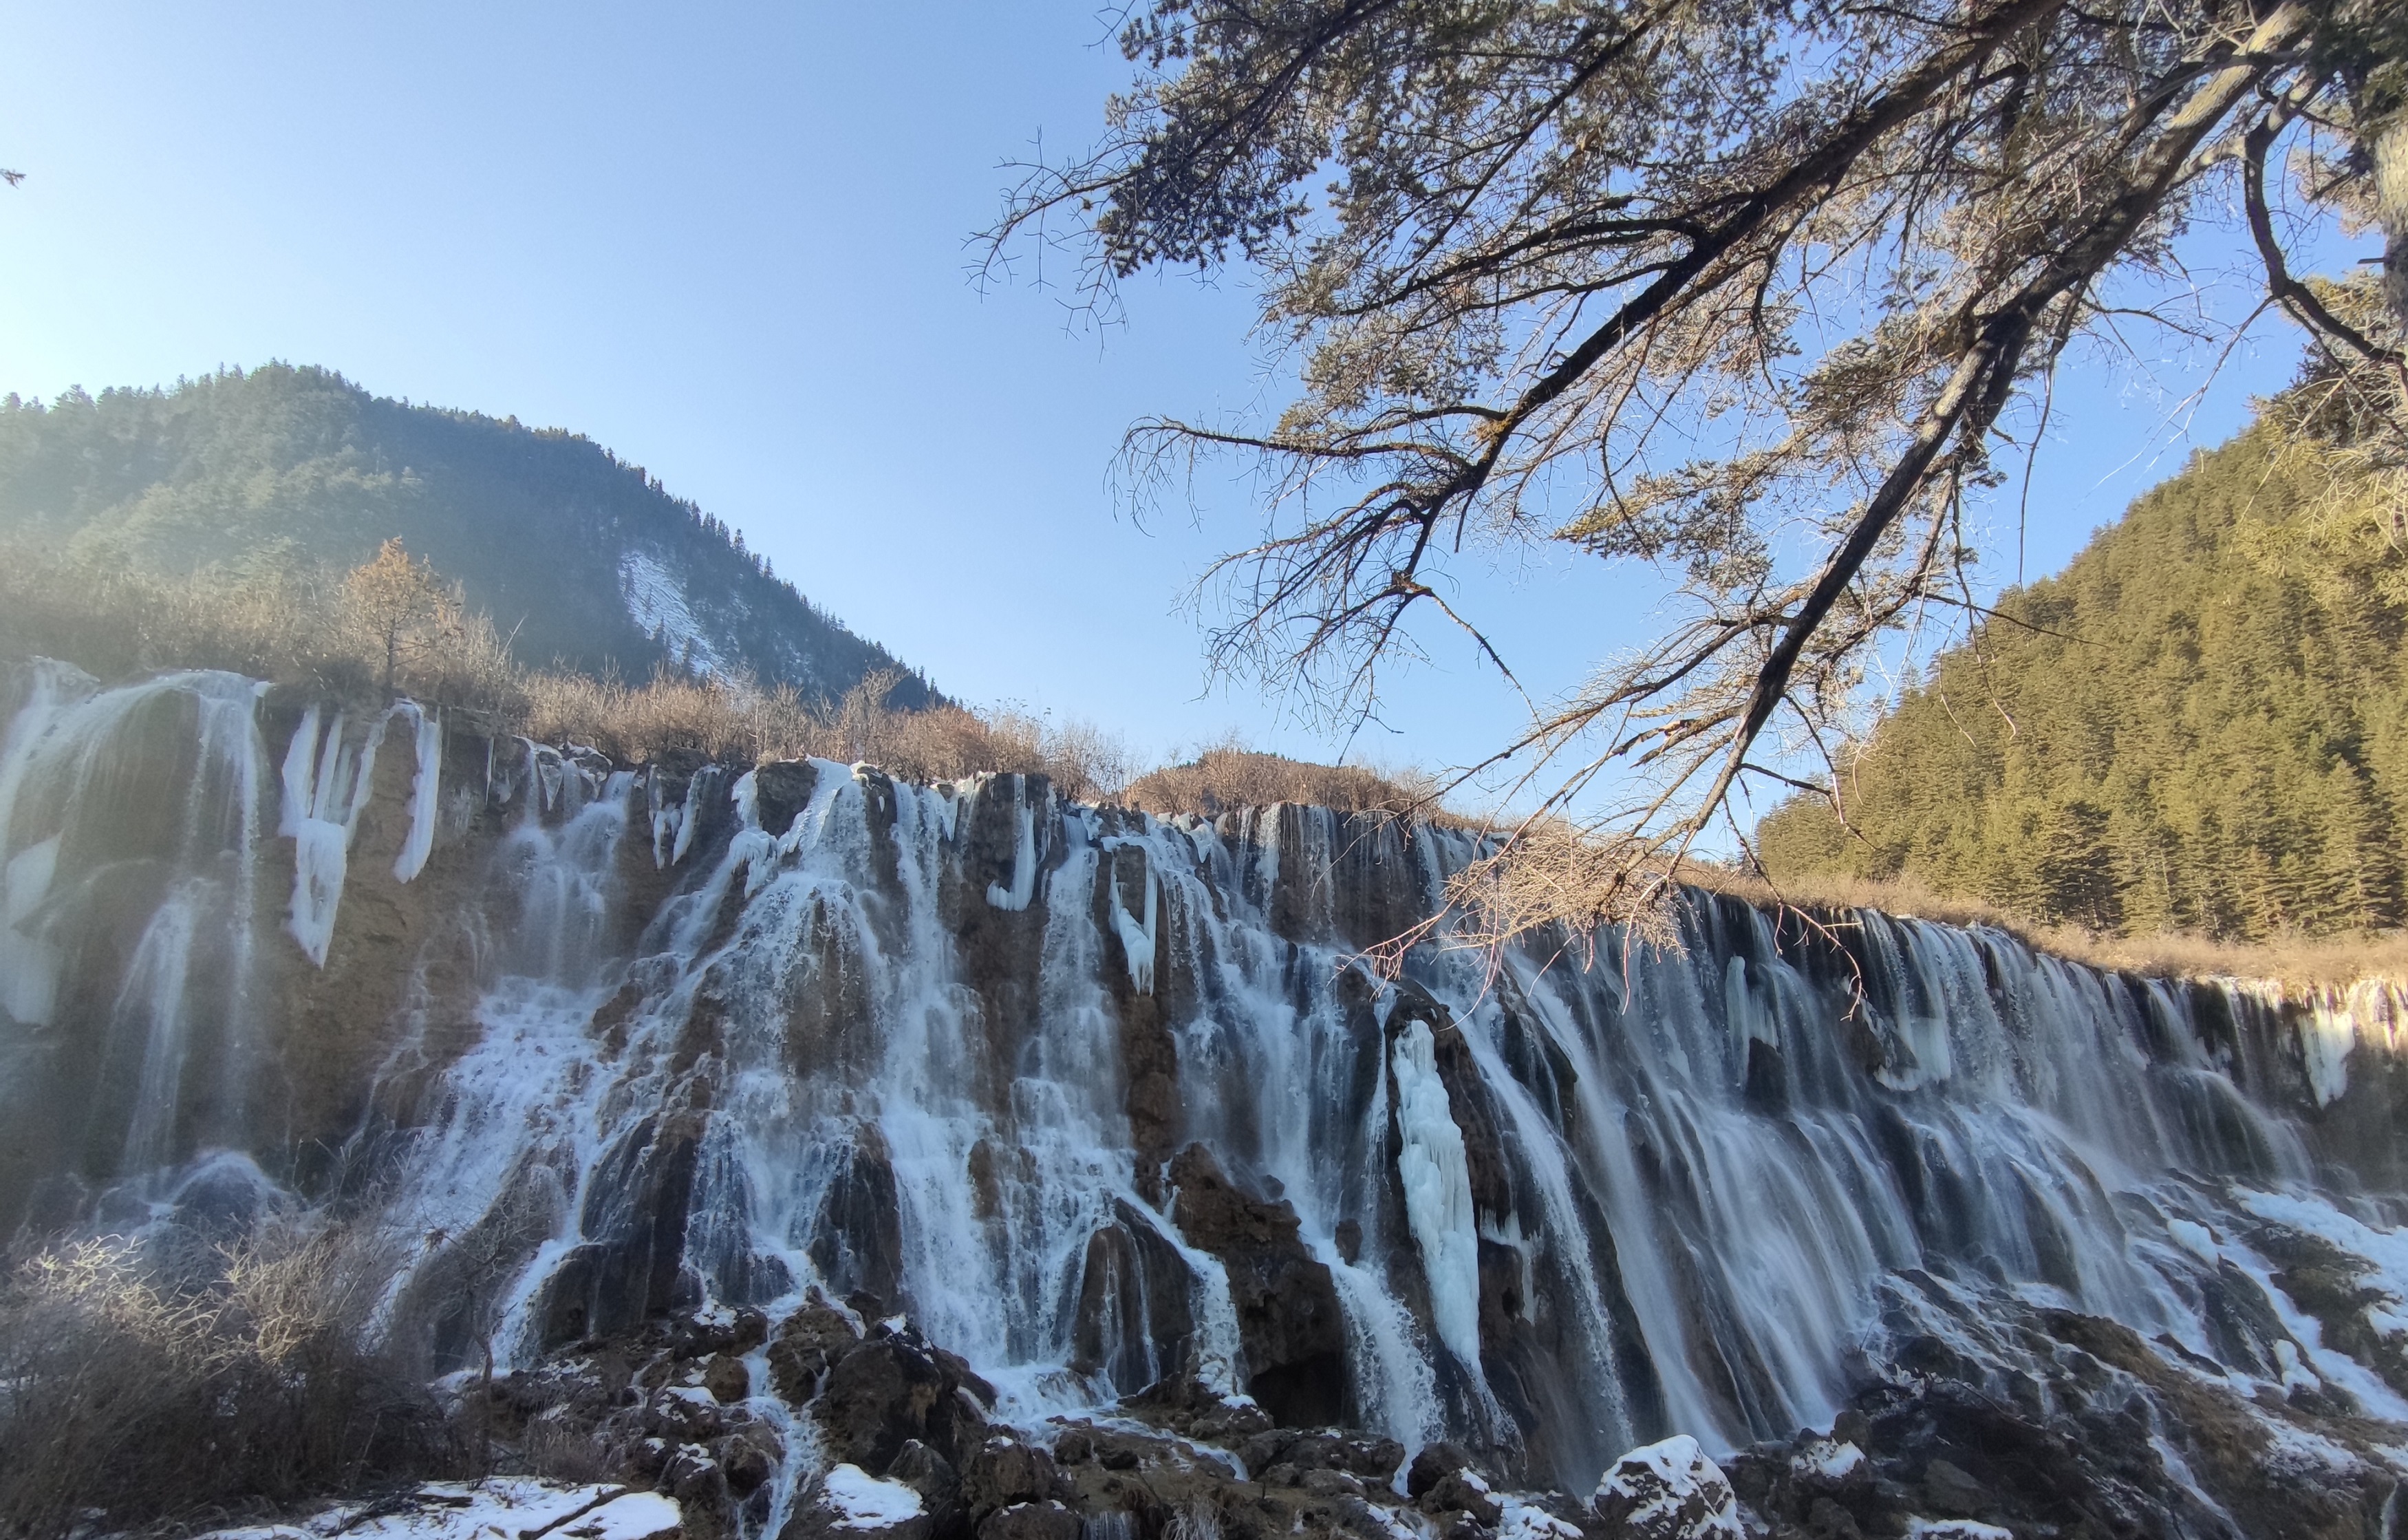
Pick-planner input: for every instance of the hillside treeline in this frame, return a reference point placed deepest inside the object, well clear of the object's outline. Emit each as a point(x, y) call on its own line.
point(2202, 724)
point(584, 561)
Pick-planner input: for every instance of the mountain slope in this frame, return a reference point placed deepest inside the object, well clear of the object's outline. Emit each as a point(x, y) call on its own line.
point(2202, 725)
point(589, 562)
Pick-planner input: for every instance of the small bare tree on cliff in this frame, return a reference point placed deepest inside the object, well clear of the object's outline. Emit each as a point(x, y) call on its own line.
point(405, 607)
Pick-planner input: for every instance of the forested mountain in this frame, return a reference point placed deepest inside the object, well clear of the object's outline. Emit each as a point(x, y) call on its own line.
point(2201, 723)
point(583, 560)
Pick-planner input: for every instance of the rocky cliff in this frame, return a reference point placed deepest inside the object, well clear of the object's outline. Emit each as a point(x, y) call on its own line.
point(841, 1154)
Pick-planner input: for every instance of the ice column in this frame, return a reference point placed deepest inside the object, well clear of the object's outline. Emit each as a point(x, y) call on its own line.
point(1436, 1178)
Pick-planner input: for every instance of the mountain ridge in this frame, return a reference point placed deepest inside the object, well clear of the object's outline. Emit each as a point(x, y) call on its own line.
point(582, 559)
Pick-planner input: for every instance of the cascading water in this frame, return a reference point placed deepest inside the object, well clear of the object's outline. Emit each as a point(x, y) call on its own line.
point(1096, 1099)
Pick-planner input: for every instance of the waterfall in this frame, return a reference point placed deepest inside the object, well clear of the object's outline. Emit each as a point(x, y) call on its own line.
point(1095, 1098)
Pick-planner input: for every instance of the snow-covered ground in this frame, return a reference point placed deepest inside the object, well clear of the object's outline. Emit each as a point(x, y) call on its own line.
point(503, 1508)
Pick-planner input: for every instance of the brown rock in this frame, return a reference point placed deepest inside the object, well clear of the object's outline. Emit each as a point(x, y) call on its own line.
point(1005, 1471)
point(1047, 1521)
point(1288, 1316)
point(888, 1391)
point(808, 1342)
point(726, 1378)
point(1433, 1464)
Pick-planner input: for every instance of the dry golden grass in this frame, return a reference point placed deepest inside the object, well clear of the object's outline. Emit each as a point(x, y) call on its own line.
point(2301, 962)
point(335, 636)
point(1228, 777)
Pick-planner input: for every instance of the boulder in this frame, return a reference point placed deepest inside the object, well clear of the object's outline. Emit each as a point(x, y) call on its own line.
point(1952, 1492)
point(749, 1458)
point(1004, 1472)
point(1668, 1490)
point(726, 1378)
point(1434, 1463)
point(1465, 1492)
point(807, 1343)
point(849, 1504)
point(1047, 1521)
point(891, 1389)
point(933, 1476)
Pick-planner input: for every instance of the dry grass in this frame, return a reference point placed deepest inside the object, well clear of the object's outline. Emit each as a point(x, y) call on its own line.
point(2327, 961)
point(1228, 776)
point(143, 1386)
point(114, 620)
point(738, 720)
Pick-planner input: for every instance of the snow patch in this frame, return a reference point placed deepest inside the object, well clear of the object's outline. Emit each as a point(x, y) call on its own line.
point(1827, 1460)
point(656, 604)
point(637, 1515)
point(863, 1502)
point(1954, 1529)
point(1665, 1480)
point(1523, 1522)
point(501, 1509)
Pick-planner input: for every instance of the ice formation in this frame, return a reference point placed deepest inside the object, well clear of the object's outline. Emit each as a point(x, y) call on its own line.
point(1436, 1175)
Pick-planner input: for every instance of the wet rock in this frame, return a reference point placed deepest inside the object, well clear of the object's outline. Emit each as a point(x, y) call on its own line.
point(890, 1390)
point(749, 1458)
point(807, 1343)
point(727, 1378)
point(933, 1476)
point(1434, 1463)
point(1132, 1310)
point(1006, 1471)
point(1288, 1316)
point(781, 790)
point(849, 1503)
point(694, 1479)
point(1047, 1521)
point(684, 1413)
point(1832, 1468)
point(1827, 1520)
point(634, 1227)
point(1668, 1491)
point(1374, 1459)
point(1463, 1492)
point(857, 1240)
point(1951, 1491)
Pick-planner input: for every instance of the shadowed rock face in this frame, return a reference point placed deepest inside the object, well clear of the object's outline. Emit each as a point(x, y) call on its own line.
point(1291, 1326)
point(964, 1086)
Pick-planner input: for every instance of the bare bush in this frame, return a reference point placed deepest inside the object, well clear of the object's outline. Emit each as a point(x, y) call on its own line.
point(143, 1392)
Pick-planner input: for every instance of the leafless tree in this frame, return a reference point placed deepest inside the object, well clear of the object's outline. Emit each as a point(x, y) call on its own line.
point(1747, 291)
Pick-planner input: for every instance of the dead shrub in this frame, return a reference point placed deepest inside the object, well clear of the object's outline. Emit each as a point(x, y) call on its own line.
point(142, 1388)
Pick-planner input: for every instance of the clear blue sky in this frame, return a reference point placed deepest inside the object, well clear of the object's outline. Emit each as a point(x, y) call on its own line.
point(729, 242)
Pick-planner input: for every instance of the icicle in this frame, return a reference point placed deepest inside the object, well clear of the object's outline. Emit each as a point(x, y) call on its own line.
point(1024, 860)
point(1436, 1177)
point(322, 810)
point(423, 795)
point(1137, 940)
